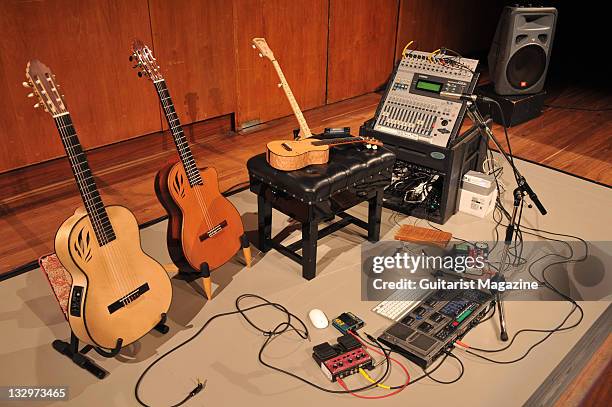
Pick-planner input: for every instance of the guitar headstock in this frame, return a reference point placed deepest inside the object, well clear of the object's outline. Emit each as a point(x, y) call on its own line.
point(262, 46)
point(145, 61)
point(42, 82)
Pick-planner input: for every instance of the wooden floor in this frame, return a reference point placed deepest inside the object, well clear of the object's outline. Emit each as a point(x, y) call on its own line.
point(37, 199)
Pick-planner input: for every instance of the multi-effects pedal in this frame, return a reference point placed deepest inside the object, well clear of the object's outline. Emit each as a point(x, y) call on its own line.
point(412, 106)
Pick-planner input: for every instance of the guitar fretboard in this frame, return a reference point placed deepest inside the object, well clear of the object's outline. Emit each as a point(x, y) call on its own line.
point(191, 169)
point(339, 140)
point(85, 182)
point(306, 133)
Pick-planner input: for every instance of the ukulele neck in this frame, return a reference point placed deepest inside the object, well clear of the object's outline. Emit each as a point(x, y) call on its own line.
point(86, 184)
point(305, 130)
point(180, 140)
point(338, 141)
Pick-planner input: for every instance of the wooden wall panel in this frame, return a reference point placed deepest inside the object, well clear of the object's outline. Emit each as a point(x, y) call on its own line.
point(86, 44)
point(194, 45)
point(466, 26)
point(361, 46)
point(297, 34)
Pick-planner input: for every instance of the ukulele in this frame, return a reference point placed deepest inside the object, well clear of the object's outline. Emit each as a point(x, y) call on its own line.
point(286, 155)
point(118, 293)
point(292, 155)
point(204, 228)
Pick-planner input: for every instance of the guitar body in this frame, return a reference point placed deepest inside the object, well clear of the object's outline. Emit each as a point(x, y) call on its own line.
point(108, 273)
point(203, 225)
point(287, 155)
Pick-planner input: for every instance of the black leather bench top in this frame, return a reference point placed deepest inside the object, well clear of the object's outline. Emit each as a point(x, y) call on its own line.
point(347, 166)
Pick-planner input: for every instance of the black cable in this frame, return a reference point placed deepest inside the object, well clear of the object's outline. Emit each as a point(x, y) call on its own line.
point(280, 329)
point(455, 380)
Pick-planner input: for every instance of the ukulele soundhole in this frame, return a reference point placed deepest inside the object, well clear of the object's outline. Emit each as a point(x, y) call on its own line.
point(81, 244)
point(179, 184)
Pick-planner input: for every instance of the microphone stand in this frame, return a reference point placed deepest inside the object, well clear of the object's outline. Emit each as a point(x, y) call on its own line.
point(521, 190)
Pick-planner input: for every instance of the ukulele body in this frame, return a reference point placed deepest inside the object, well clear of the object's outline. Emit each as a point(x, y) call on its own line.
point(104, 275)
point(290, 155)
point(203, 225)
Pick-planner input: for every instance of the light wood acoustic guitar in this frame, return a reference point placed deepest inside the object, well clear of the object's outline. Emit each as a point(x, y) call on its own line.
point(118, 292)
point(204, 228)
point(287, 155)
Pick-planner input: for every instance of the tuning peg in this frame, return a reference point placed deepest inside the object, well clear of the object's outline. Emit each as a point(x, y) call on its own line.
point(140, 74)
point(368, 145)
point(280, 85)
point(26, 84)
point(37, 105)
point(260, 55)
point(131, 58)
point(374, 147)
point(253, 45)
point(31, 94)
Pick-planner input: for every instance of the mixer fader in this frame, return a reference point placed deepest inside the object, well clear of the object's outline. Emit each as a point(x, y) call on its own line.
point(412, 106)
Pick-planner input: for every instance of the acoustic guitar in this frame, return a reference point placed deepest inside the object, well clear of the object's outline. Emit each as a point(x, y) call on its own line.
point(118, 292)
point(204, 228)
point(287, 155)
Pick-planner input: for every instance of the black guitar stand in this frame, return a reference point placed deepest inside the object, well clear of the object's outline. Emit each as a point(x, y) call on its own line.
point(71, 350)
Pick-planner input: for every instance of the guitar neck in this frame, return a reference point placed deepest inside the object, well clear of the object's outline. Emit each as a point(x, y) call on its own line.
point(87, 185)
point(182, 146)
point(338, 141)
point(306, 133)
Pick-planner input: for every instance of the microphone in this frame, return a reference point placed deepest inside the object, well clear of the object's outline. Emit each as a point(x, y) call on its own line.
point(465, 96)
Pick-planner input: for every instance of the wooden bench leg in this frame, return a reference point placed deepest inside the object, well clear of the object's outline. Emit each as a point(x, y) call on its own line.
point(264, 223)
point(374, 216)
point(309, 249)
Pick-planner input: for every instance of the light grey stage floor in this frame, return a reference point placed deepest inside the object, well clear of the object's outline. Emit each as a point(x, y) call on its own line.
point(226, 352)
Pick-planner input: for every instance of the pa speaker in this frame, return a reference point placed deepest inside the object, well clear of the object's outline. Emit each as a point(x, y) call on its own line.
point(519, 56)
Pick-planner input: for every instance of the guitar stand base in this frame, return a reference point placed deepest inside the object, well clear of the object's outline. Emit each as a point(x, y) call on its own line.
point(246, 249)
point(72, 352)
point(161, 326)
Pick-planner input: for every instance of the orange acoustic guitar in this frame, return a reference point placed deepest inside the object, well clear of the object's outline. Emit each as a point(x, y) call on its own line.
point(204, 228)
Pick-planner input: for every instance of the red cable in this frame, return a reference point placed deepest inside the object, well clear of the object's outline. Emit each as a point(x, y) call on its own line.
point(341, 382)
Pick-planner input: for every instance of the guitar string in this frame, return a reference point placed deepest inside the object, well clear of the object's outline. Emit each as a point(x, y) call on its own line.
point(97, 223)
point(110, 251)
point(94, 219)
point(181, 144)
point(201, 200)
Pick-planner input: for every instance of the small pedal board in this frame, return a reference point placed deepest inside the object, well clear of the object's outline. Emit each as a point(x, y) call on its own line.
point(343, 359)
point(347, 321)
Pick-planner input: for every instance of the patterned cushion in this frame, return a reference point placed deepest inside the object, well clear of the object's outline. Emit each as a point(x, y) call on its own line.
point(59, 279)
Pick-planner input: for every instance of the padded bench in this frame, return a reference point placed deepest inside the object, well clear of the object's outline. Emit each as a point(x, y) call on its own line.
point(319, 193)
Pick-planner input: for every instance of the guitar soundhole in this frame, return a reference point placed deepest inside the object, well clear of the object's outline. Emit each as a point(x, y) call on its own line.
point(82, 244)
point(179, 184)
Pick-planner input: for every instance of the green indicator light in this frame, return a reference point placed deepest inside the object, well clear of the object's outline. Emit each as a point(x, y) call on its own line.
point(464, 315)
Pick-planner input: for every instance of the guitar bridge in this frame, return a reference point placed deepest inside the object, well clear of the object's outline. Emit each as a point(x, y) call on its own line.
point(212, 232)
point(126, 299)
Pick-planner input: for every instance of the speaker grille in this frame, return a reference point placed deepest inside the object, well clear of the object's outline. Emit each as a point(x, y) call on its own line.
point(526, 66)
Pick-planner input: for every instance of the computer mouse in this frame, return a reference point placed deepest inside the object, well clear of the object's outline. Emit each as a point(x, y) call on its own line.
point(318, 318)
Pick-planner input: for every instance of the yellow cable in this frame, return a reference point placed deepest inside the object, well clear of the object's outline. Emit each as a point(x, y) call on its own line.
point(405, 48)
point(368, 378)
point(432, 54)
